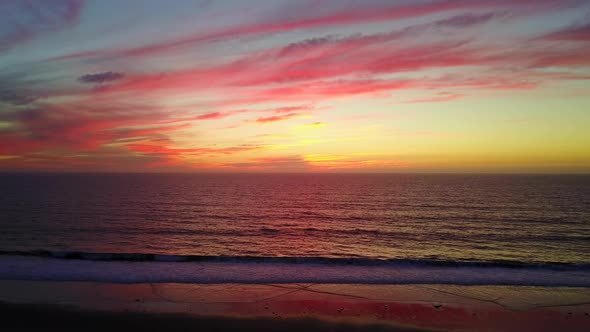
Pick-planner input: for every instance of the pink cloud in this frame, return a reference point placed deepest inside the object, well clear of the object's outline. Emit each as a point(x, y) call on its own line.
point(211, 116)
point(221, 115)
point(367, 55)
point(579, 33)
point(276, 118)
point(291, 109)
point(322, 64)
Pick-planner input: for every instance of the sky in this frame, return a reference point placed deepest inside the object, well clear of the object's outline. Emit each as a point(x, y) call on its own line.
point(295, 86)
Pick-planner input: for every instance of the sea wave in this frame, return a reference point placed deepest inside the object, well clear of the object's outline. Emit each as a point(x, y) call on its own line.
point(146, 268)
point(291, 260)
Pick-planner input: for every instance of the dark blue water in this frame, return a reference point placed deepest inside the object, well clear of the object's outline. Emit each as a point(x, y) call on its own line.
point(517, 219)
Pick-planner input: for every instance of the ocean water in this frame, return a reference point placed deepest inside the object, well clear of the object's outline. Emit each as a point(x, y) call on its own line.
point(382, 228)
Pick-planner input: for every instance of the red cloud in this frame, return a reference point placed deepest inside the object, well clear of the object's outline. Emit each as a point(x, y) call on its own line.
point(276, 118)
point(78, 128)
point(210, 116)
point(291, 109)
point(78, 136)
point(126, 133)
point(161, 149)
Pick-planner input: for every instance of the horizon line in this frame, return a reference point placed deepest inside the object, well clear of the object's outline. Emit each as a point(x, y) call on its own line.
point(11, 172)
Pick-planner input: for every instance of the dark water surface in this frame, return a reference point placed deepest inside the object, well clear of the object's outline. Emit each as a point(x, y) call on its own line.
point(450, 218)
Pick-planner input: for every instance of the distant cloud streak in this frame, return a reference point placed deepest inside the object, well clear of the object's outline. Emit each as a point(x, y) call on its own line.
point(579, 33)
point(101, 77)
point(276, 118)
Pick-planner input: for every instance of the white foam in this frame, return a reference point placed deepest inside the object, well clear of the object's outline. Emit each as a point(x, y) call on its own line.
point(38, 268)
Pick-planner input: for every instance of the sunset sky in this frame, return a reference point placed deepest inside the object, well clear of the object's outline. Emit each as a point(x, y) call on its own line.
point(295, 86)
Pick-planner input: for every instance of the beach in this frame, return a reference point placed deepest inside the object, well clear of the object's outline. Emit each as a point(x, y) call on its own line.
point(285, 307)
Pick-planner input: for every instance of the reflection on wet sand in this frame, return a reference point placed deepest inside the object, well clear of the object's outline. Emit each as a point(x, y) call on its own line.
point(305, 306)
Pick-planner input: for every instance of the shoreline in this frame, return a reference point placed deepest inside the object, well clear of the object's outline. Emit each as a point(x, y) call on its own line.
point(311, 307)
point(276, 270)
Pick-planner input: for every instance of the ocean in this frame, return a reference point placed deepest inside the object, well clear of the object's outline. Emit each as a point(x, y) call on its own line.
point(360, 228)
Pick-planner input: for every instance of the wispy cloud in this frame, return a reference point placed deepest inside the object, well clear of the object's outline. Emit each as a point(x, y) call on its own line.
point(205, 93)
point(326, 60)
point(105, 77)
point(577, 32)
point(25, 20)
point(440, 97)
point(17, 97)
point(331, 14)
point(276, 118)
point(280, 163)
point(467, 20)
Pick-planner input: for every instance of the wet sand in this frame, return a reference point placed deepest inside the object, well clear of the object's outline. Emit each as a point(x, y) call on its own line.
point(93, 306)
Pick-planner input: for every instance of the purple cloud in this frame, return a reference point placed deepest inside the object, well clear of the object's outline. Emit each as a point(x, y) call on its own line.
point(24, 20)
point(17, 97)
point(100, 78)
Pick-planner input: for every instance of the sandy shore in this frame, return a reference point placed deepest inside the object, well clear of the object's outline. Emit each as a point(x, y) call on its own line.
point(291, 307)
